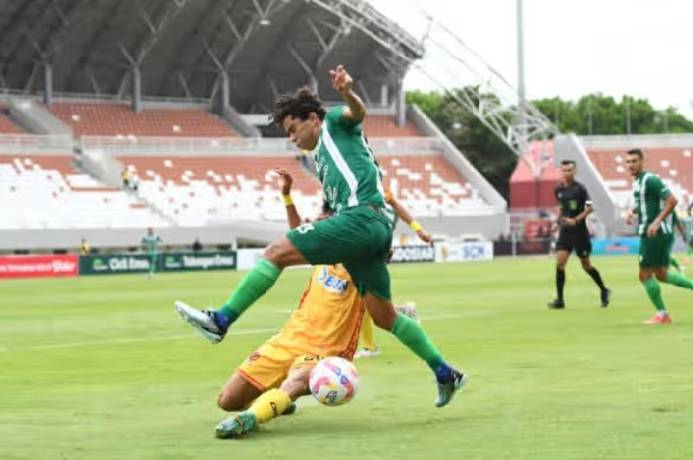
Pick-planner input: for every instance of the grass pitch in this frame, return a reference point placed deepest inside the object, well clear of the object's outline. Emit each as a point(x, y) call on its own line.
point(103, 368)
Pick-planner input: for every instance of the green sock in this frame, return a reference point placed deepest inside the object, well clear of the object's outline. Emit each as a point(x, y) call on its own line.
point(674, 263)
point(654, 292)
point(677, 279)
point(251, 288)
point(413, 336)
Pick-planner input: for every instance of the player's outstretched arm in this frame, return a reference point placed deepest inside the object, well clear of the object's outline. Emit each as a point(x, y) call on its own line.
point(285, 182)
point(343, 83)
point(406, 216)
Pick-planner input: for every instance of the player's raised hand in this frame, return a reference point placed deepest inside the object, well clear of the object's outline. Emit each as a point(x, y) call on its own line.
point(341, 80)
point(285, 180)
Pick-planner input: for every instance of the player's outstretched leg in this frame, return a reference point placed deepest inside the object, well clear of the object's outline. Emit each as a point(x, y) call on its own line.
point(678, 279)
point(269, 405)
point(411, 334)
point(213, 324)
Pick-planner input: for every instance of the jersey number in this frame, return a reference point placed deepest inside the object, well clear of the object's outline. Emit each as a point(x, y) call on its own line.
point(305, 228)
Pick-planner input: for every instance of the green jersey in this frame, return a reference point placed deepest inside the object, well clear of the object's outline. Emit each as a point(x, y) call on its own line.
point(649, 191)
point(346, 167)
point(151, 242)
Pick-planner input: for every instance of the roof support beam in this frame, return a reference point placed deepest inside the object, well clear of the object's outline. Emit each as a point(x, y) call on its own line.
point(310, 72)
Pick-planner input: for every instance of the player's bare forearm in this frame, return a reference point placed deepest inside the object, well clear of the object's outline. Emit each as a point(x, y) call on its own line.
point(356, 109)
point(583, 215)
point(292, 216)
point(401, 211)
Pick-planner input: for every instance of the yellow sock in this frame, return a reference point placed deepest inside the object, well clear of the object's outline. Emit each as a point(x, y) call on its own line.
point(367, 337)
point(270, 404)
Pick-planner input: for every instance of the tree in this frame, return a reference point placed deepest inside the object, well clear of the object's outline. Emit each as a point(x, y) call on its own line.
point(494, 160)
point(600, 114)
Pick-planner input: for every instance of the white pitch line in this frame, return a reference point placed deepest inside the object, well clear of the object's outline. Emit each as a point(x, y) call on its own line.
point(129, 340)
point(57, 346)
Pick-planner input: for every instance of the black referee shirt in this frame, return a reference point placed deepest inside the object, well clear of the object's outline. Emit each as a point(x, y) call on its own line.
point(572, 199)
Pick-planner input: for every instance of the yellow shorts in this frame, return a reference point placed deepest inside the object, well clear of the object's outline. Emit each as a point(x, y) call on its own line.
point(268, 366)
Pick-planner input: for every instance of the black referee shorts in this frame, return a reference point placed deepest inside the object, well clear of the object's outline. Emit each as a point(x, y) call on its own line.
point(578, 241)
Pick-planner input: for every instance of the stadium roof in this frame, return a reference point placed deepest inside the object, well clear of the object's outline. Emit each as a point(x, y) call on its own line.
point(182, 47)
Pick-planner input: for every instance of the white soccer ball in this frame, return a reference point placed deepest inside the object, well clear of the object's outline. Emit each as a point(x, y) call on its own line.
point(334, 381)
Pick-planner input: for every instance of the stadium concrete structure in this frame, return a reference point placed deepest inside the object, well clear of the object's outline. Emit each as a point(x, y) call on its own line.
point(177, 93)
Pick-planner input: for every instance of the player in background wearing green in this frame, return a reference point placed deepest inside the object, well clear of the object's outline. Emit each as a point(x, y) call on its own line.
point(151, 242)
point(684, 232)
point(654, 204)
point(358, 235)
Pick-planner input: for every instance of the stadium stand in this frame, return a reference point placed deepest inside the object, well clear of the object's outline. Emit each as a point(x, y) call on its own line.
point(384, 126)
point(673, 165)
point(46, 191)
point(6, 125)
point(193, 189)
point(109, 119)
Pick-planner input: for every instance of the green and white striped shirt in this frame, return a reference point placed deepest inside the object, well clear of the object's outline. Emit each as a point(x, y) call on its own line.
point(345, 164)
point(649, 191)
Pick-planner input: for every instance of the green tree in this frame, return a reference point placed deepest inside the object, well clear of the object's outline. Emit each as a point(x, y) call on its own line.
point(494, 160)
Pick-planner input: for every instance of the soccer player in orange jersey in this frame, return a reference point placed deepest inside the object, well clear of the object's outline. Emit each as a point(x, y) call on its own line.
point(326, 323)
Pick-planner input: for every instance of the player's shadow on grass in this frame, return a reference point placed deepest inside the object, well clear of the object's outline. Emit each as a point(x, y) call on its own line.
point(355, 427)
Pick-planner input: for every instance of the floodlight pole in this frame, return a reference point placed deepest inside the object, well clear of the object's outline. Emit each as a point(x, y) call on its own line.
point(521, 100)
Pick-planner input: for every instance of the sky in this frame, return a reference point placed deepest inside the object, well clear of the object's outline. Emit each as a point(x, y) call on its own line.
point(639, 47)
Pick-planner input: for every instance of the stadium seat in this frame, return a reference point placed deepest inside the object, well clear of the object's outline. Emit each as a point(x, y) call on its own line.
point(673, 165)
point(192, 190)
point(384, 126)
point(46, 192)
point(7, 126)
point(108, 119)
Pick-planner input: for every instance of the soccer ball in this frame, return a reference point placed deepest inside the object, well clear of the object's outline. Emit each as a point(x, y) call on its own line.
point(334, 381)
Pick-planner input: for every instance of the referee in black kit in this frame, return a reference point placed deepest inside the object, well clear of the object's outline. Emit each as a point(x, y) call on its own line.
point(575, 205)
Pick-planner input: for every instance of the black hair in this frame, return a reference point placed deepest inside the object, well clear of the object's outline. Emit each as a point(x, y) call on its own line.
point(299, 104)
point(326, 207)
point(568, 163)
point(636, 152)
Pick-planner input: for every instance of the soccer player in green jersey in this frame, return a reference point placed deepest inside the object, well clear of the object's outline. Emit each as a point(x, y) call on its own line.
point(654, 205)
point(358, 235)
point(150, 242)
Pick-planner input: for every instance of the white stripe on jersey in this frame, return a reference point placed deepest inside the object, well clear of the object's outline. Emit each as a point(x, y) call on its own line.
point(342, 165)
point(643, 204)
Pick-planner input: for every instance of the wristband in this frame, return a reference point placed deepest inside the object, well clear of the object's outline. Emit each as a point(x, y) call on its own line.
point(416, 226)
point(287, 200)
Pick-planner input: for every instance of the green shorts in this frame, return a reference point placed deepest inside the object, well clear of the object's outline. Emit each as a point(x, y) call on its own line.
point(655, 252)
point(360, 238)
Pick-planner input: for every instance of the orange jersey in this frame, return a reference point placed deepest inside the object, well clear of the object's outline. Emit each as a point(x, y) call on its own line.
point(328, 319)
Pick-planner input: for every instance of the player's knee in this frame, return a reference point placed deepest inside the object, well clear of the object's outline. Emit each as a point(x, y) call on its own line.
point(586, 265)
point(385, 319)
point(661, 277)
point(297, 385)
point(228, 403)
point(282, 254)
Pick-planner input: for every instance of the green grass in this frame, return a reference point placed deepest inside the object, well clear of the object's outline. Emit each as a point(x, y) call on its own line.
point(102, 368)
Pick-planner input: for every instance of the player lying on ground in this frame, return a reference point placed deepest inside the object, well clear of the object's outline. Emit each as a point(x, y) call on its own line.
point(357, 235)
point(654, 204)
point(326, 323)
point(574, 207)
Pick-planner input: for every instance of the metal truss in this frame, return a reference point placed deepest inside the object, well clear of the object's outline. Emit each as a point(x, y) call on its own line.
point(495, 103)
